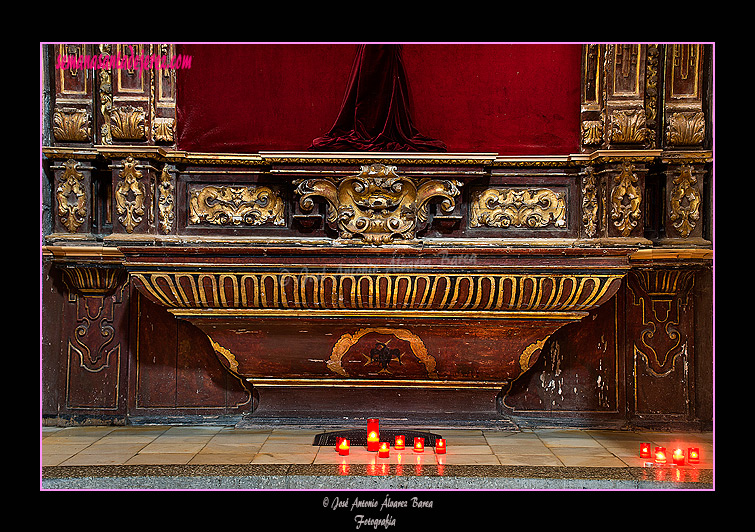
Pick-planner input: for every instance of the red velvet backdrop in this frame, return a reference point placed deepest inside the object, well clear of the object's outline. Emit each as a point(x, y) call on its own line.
point(511, 99)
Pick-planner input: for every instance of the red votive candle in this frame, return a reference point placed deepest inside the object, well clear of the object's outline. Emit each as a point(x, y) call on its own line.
point(343, 447)
point(660, 455)
point(693, 455)
point(338, 442)
point(398, 444)
point(419, 445)
point(644, 450)
point(373, 441)
point(678, 457)
point(440, 446)
point(373, 425)
point(384, 450)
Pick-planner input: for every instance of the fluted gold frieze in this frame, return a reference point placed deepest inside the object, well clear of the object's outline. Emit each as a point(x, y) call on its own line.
point(342, 291)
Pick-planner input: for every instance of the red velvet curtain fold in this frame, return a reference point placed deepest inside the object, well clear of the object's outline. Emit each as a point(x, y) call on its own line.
point(519, 99)
point(376, 111)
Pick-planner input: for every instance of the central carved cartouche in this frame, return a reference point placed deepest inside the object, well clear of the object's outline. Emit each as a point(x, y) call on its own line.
point(378, 206)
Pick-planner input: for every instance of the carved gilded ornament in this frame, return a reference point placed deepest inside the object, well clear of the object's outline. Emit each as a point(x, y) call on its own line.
point(347, 341)
point(165, 201)
point(129, 196)
point(229, 205)
point(589, 203)
point(592, 132)
point(71, 196)
point(71, 125)
point(685, 202)
point(127, 123)
point(685, 128)
point(106, 97)
point(625, 200)
point(628, 126)
point(163, 129)
point(377, 205)
point(532, 208)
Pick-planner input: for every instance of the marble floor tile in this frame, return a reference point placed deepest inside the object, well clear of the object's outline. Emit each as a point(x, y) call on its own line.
point(529, 459)
point(178, 446)
point(580, 460)
point(98, 459)
point(283, 458)
point(160, 458)
point(466, 449)
point(467, 459)
point(222, 458)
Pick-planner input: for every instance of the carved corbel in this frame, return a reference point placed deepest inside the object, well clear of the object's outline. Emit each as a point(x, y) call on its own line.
point(628, 127)
point(71, 125)
point(127, 123)
point(685, 129)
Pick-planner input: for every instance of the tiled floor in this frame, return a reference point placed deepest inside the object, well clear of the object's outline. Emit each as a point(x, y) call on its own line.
point(204, 445)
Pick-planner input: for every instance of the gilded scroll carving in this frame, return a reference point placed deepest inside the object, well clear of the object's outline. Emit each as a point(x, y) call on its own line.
point(71, 125)
point(347, 341)
point(127, 123)
point(625, 200)
point(532, 208)
point(106, 97)
point(685, 128)
point(130, 195)
point(589, 203)
point(165, 201)
point(71, 196)
point(230, 205)
point(628, 126)
point(685, 201)
point(377, 205)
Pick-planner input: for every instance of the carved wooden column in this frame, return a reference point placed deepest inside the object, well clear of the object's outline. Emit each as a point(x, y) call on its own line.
point(619, 96)
point(686, 162)
point(683, 105)
point(138, 101)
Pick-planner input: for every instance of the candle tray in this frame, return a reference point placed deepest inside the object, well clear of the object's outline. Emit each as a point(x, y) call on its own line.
point(359, 437)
